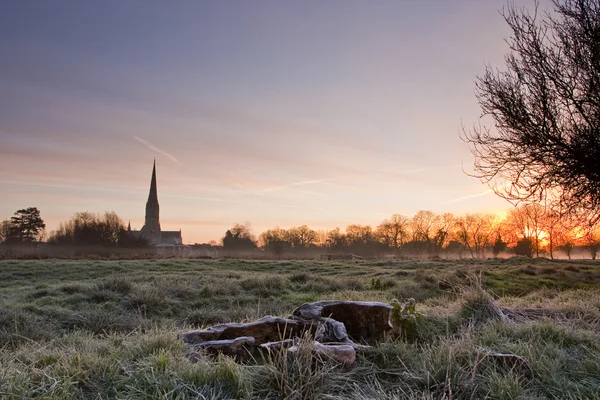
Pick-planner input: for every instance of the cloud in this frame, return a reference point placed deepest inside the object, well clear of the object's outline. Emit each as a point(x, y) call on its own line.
point(155, 148)
point(470, 196)
point(293, 184)
point(63, 186)
point(224, 200)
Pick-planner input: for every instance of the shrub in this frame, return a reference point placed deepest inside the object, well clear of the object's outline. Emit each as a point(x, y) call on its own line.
point(147, 299)
point(18, 327)
point(118, 284)
point(99, 321)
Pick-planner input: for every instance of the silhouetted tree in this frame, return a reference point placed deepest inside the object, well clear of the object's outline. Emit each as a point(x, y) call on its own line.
point(524, 247)
point(499, 246)
point(239, 238)
point(526, 221)
point(301, 237)
point(394, 231)
point(424, 226)
point(546, 110)
point(335, 239)
point(274, 241)
point(567, 236)
point(89, 229)
point(591, 240)
point(474, 232)
point(443, 230)
point(26, 226)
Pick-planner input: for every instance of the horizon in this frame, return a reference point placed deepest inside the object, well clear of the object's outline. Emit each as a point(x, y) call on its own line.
point(282, 114)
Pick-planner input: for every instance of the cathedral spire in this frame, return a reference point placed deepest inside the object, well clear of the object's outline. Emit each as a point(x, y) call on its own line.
point(151, 228)
point(153, 195)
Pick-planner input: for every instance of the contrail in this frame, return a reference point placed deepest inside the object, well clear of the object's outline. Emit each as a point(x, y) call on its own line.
point(470, 196)
point(155, 148)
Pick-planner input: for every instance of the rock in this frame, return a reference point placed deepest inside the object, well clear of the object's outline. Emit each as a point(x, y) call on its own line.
point(238, 347)
point(266, 329)
point(341, 353)
point(362, 320)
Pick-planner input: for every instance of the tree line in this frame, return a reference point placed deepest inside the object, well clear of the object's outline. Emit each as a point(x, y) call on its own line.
point(83, 229)
point(529, 230)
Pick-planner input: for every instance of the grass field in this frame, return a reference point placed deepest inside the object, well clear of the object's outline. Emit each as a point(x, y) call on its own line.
point(108, 329)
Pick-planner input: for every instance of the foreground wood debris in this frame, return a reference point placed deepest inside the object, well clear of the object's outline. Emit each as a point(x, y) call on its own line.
point(336, 329)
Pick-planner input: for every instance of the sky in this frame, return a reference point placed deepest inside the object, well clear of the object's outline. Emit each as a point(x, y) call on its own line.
point(270, 113)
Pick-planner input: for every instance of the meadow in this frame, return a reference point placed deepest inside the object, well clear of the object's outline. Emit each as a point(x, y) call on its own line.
point(104, 329)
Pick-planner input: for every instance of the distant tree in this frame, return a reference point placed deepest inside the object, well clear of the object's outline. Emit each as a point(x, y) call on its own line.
point(567, 236)
point(89, 229)
point(26, 226)
point(394, 231)
point(524, 247)
point(274, 241)
point(4, 230)
point(361, 239)
point(424, 227)
point(359, 235)
point(591, 240)
point(474, 232)
point(302, 236)
point(239, 238)
point(499, 246)
point(335, 239)
point(444, 226)
point(551, 226)
point(526, 222)
point(546, 110)
point(423, 223)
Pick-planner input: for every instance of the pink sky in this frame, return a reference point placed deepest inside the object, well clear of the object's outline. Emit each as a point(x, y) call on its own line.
point(268, 113)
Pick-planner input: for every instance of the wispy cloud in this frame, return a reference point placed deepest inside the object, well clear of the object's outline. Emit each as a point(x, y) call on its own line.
point(63, 186)
point(470, 196)
point(155, 148)
point(293, 184)
point(426, 169)
point(224, 200)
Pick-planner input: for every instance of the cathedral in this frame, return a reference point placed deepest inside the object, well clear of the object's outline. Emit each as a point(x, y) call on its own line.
point(151, 229)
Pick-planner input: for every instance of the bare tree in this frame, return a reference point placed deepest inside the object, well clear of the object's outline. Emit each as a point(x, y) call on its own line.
point(524, 223)
point(591, 240)
point(423, 223)
point(335, 239)
point(302, 236)
point(474, 231)
point(545, 105)
point(394, 231)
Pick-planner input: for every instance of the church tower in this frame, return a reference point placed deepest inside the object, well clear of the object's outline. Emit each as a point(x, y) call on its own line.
point(151, 228)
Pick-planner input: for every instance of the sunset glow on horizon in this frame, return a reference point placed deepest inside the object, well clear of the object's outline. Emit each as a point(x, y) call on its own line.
point(268, 113)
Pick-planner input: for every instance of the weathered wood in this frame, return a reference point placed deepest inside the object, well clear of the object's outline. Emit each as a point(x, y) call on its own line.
point(344, 354)
point(266, 329)
point(362, 320)
point(238, 347)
